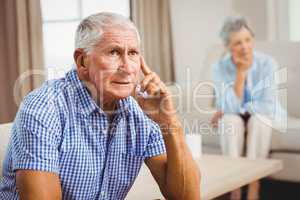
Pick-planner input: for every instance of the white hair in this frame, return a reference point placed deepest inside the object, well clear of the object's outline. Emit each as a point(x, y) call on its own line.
point(231, 25)
point(90, 29)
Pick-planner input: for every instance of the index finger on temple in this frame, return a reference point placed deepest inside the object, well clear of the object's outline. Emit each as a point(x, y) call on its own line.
point(145, 69)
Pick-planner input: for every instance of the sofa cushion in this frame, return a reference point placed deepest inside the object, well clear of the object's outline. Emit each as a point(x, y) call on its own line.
point(288, 140)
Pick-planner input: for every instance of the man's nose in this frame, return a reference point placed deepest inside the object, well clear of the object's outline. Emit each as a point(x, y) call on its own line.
point(126, 65)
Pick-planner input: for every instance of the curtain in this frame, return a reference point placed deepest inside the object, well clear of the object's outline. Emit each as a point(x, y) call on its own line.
point(152, 17)
point(21, 53)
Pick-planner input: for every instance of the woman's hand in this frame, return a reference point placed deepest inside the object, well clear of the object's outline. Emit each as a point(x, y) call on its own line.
point(242, 63)
point(215, 119)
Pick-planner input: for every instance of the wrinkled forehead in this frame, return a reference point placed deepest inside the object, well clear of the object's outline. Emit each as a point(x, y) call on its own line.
point(120, 34)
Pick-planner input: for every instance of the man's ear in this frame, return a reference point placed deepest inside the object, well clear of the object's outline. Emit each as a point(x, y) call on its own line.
point(82, 70)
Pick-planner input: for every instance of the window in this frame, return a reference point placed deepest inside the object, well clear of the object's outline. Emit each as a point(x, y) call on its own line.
point(294, 16)
point(60, 19)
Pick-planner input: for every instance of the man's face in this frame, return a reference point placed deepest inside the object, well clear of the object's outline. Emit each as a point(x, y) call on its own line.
point(114, 63)
point(241, 44)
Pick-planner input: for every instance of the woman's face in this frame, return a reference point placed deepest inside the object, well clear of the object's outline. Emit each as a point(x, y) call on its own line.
point(241, 43)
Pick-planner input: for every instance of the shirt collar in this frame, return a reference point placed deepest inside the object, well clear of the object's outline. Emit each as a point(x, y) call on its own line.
point(87, 104)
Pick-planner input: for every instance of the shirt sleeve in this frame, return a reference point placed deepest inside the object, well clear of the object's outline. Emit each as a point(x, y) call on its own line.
point(226, 99)
point(156, 145)
point(263, 98)
point(264, 94)
point(34, 138)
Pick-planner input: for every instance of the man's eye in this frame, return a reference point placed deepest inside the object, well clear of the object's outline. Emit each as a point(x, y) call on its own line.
point(133, 53)
point(114, 52)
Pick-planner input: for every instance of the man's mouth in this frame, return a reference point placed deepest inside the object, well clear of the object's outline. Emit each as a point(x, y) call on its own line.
point(121, 82)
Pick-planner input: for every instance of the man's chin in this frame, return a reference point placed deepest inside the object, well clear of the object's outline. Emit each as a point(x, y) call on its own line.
point(121, 95)
point(119, 91)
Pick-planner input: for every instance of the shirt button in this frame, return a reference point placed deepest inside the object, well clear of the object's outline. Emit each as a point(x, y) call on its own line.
point(102, 194)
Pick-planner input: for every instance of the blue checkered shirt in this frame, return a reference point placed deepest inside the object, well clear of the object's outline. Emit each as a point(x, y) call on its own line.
point(60, 129)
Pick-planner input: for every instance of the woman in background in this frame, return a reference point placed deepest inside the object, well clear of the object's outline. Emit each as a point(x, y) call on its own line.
point(246, 98)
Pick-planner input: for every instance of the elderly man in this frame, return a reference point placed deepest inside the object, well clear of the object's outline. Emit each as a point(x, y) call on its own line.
point(85, 137)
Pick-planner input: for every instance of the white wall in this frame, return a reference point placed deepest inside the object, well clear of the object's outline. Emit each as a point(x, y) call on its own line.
point(256, 13)
point(294, 19)
point(195, 26)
